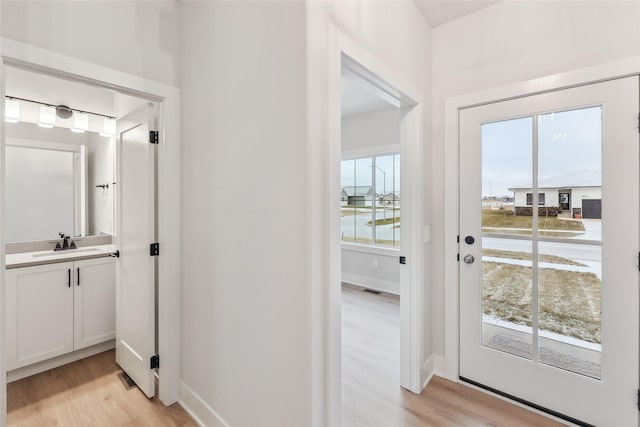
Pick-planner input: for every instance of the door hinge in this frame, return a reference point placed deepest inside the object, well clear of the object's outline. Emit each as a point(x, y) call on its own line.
point(403, 260)
point(458, 258)
point(153, 136)
point(155, 361)
point(638, 261)
point(458, 239)
point(154, 249)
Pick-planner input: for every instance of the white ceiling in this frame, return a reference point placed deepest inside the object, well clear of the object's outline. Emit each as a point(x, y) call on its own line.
point(438, 12)
point(357, 100)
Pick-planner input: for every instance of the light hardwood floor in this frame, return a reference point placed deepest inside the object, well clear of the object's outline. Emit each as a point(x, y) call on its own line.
point(89, 392)
point(86, 393)
point(371, 395)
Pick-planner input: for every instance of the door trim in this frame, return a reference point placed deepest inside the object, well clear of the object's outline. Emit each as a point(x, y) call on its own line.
point(413, 373)
point(598, 73)
point(168, 97)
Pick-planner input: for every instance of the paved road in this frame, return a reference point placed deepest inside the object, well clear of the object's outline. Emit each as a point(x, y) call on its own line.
point(357, 225)
point(572, 251)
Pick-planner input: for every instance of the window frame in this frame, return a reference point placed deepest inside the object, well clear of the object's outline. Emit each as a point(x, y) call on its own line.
point(373, 153)
point(541, 199)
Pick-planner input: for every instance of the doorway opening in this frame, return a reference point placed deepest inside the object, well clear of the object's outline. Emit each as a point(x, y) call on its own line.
point(83, 116)
point(366, 237)
point(370, 210)
point(64, 170)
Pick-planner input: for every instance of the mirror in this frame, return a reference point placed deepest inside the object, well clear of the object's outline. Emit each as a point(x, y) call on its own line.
point(57, 181)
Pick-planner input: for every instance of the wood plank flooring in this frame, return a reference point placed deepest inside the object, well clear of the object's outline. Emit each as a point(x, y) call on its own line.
point(87, 393)
point(371, 395)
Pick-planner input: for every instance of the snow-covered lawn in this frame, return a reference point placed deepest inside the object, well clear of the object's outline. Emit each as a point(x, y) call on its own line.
point(570, 301)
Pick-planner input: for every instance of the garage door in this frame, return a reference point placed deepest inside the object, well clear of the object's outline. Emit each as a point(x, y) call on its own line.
point(592, 208)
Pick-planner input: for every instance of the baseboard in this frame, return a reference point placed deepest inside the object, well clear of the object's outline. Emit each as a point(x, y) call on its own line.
point(198, 409)
point(438, 365)
point(371, 283)
point(45, 365)
point(426, 373)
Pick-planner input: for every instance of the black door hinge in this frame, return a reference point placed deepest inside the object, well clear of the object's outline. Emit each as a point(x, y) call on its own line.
point(638, 400)
point(458, 239)
point(155, 361)
point(403, 260)
point(458, 257)
point(154, 249)
point(638, 261)
point(153, 136)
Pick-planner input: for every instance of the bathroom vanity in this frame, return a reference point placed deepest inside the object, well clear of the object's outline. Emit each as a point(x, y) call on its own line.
point(58, 303)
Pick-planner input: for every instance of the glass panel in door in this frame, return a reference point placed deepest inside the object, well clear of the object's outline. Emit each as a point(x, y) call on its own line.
point(569, 267)
point(549, 201)
point(507, 295)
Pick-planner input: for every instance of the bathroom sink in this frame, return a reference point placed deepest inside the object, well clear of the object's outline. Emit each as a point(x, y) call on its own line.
point(66, 252)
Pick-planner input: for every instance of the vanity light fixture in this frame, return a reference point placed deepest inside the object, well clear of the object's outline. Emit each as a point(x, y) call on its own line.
point(108, 128)
point(47, 116)
point(48, 113)
point(80, 122)
point(11, 111)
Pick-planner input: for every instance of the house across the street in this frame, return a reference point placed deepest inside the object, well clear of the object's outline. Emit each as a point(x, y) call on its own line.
point(579, 193)
point(360, 195)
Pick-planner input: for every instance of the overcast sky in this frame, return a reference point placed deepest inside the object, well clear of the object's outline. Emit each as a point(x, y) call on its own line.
point(362, 174)
point(568, 142)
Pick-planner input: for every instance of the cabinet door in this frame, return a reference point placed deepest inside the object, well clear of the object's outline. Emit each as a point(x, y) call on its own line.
point(94, 301)
point(39, 313)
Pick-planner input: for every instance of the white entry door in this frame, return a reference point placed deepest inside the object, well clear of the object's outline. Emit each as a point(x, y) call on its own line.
point(549, 241)
point(135, 225)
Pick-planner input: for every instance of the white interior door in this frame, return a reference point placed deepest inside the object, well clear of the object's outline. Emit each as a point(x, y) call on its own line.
point(549, 241)
point(135, 290)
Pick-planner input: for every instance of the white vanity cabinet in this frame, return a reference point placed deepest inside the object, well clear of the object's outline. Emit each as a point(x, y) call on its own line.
point(55, 309)
point(94, 302)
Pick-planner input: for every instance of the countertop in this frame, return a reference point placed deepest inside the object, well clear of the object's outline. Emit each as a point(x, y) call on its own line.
point(28, 259)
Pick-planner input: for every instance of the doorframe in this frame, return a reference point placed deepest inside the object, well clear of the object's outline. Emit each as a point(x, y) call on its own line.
point(14, 53)
point(413, 374)
point(594, 74)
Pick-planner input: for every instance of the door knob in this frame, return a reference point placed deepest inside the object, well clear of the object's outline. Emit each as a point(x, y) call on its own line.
point(468, 259)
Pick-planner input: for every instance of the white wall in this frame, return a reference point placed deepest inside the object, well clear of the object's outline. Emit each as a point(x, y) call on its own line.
point(245, 234)
point(137, 37)
point(379, 270)
point(251, 140)
point(373, 129)
point(100, 201)
point(506, 43)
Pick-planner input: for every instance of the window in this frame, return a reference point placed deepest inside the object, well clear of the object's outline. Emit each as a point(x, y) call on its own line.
point(540, 199)
point(370, 200)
